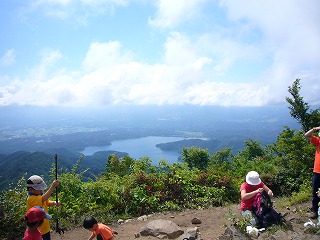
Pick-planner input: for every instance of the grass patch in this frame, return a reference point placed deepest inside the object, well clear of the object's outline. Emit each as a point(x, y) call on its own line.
point(296, 198)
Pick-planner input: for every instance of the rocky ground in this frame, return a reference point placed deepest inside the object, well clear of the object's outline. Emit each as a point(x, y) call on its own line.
point(214, 222)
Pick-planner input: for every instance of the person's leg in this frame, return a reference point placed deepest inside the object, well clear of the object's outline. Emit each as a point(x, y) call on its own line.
point(46, 236)
point(248, 214)
point(99, 237)
point(315, 187)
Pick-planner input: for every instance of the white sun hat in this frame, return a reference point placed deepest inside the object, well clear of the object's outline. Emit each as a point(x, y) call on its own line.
point(253, 178)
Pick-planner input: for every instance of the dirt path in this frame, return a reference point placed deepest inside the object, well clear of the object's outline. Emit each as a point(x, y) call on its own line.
point(214, 222)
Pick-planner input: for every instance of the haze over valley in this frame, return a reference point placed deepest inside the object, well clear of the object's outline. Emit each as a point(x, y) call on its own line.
point(30, 136)
point(38, 129)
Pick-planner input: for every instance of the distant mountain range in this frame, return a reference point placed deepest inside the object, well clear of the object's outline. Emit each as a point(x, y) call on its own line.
point(30, 136)
point(38, 128)
point(22, 163)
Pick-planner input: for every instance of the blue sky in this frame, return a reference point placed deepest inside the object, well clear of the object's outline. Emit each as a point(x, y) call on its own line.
point(200, 52)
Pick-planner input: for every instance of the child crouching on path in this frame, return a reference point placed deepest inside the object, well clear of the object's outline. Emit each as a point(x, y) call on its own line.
point(99, 230)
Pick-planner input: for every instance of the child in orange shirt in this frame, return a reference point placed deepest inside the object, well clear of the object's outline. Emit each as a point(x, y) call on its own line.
point(99, 230)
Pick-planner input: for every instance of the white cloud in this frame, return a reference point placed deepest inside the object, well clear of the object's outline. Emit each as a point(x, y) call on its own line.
point(110, 76)
point(227, 94)
point(291, 32)
point(171, 13)
point(218, 66)
point(103, 55)
point(8, 58)
point(48, 58)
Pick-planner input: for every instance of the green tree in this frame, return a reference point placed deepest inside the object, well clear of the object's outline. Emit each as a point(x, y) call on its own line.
point(221, 159)
point(252, 150)
point(300, 110)
point(252, 158)
point(294, 160)
point(196, 157)
point(119, 166)
point(144, 164)
point(13, 204)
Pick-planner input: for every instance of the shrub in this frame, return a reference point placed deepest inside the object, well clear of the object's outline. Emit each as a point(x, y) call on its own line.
point(13, 202)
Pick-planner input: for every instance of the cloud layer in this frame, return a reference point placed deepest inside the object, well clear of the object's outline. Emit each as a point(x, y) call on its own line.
point(228, 53)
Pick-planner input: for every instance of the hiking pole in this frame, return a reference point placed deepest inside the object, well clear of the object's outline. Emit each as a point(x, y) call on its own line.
point(58, 229)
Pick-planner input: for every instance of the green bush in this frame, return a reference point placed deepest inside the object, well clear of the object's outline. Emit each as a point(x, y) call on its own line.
point(14, 203)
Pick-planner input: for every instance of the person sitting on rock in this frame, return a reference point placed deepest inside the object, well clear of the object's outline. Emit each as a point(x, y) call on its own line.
point(248, 190)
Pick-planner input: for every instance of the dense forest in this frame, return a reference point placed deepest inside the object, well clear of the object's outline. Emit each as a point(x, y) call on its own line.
point(128, 187)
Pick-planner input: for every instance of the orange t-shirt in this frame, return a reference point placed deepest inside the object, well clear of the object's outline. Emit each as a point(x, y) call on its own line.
point(316, 142)
point(105, 232)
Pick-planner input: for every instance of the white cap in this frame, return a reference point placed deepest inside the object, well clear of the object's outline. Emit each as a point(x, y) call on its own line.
point(253, 178)
point(36, 182)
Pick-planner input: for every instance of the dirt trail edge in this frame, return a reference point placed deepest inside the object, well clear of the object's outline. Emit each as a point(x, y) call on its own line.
point(213, 224)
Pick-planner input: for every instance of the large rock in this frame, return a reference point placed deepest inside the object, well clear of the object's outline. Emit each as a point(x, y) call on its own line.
point(191, 234)
point(161, 228)
point(232, 233)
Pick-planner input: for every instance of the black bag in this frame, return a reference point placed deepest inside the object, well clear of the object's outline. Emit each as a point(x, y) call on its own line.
point(264, 212)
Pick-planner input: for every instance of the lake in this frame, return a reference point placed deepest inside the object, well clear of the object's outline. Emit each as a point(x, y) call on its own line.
point(140, 147)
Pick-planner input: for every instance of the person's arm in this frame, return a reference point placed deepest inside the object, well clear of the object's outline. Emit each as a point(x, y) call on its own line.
point(245, 195)
point(48, 193)
point(53, 203)
point(91, 237)
point(268, 190)
point(309, 134)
